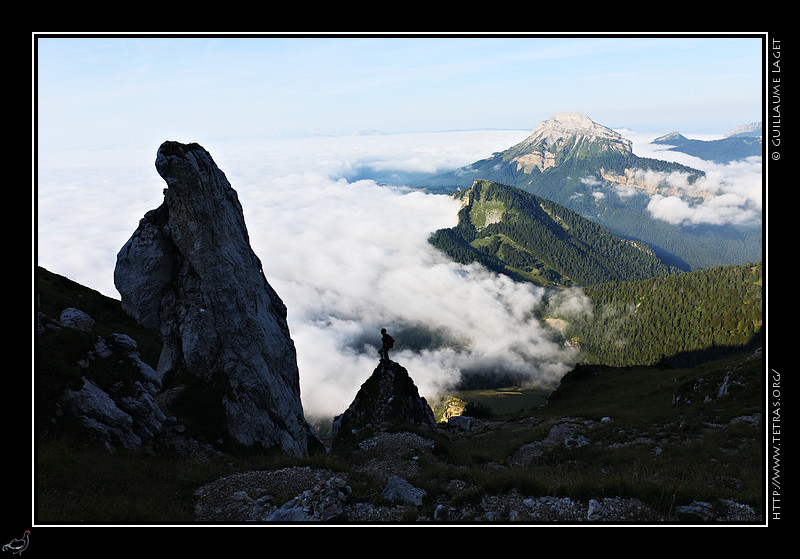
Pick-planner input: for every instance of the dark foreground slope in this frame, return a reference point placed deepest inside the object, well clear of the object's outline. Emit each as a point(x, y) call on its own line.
point(612, 445)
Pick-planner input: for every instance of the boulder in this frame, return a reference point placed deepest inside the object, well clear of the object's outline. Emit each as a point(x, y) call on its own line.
point(76, 319)
point(399, 490)
point(464, 422)
point(97, 411)
point(116, 399)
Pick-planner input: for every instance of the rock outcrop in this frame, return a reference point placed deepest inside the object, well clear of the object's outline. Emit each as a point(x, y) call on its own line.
point(569, 132)
point(388, 398)
point(189, 271)
point(119, 406)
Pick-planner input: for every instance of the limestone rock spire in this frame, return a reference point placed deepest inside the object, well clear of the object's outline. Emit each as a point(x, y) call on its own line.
point(189, 271)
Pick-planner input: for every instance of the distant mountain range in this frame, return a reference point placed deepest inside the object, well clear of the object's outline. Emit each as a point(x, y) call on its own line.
point(751, 130)
point(737, 145)
point(592, 170)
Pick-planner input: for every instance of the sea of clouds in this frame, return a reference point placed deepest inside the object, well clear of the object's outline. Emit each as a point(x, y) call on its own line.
point(347, 256)
point(732, 192)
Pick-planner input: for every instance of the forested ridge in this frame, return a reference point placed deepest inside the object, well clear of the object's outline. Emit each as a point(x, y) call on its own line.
point(570, 184)
point(531, 238)
point(691, 315)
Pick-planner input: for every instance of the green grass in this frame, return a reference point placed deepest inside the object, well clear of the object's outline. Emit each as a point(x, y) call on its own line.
point(76, 485)
point(703, 456)
point(486, 212)
point(506, 401)
point(79, 483)
point(694, 451)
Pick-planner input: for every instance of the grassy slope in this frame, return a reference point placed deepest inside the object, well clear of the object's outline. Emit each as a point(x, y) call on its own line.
point(663, 452)
point(698, 450)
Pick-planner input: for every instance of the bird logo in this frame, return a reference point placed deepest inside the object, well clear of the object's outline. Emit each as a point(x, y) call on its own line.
point(18, 545)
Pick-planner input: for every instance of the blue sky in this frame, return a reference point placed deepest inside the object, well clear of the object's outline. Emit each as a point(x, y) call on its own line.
point(99, 91)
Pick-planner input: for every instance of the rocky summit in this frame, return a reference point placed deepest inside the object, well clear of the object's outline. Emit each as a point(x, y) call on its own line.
point(565, 126)
point(189, 271)
point(388, 398)
point(565, 133)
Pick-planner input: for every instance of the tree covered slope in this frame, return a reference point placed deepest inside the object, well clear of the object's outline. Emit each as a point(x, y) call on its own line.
point(530, 238)
point(682, 318)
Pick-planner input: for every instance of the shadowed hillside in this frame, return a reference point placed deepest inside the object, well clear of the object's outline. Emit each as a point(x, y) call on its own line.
point(618, 445)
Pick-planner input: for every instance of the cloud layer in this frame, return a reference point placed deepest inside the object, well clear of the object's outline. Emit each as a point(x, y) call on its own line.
point(347, 257)
point(731, 193)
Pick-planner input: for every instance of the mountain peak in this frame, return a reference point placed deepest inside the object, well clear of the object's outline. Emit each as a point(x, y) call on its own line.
point(672, 136)
point(563, 136)
point(189, 271)
point(568, 121)
point(530, 238)
point(752, 129)
point(565, 125)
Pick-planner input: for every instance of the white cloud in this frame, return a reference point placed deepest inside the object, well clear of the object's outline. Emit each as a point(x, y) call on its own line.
point(347, 258)
point(726, 208)
point(571, 304)
point(731, 193)
point(354, 257)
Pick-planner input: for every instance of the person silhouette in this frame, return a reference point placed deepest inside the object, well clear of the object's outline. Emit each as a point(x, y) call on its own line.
point(387, 343)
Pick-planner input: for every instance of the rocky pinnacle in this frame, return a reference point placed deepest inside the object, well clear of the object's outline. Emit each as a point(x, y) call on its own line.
point(189, 271)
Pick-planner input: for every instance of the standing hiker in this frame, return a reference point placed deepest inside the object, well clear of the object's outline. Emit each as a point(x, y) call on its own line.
point(387, 343)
